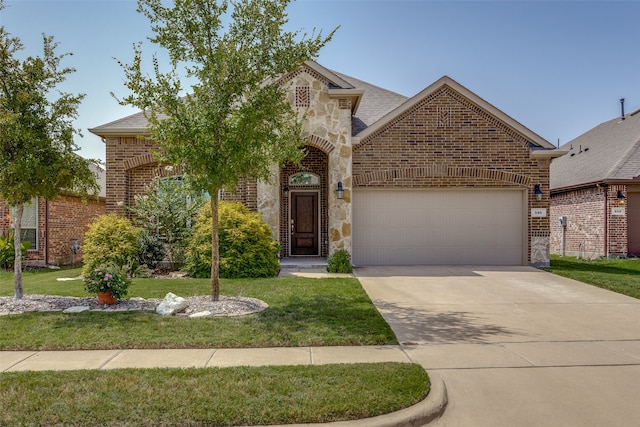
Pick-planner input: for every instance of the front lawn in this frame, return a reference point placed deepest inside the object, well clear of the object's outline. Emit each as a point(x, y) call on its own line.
point(618, 275)
point(302, 312)
point(211, 396)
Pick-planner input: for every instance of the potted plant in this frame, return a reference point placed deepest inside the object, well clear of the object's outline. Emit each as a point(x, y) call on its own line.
point(109, 285)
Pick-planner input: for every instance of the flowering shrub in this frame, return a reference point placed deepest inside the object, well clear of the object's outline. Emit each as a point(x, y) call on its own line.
point(103, 280)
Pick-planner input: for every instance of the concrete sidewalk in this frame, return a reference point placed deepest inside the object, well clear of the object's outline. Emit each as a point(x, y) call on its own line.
point(11, 361)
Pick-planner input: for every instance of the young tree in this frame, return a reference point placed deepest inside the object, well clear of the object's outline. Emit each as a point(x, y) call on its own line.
point(37, 152)
point(236, 122)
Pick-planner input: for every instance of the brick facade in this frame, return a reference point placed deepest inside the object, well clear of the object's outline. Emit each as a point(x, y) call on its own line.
point(61, 222)
point(447, 141)
point(594, 227)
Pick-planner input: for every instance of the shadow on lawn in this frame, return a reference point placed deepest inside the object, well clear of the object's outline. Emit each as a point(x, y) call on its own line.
point(559, 265)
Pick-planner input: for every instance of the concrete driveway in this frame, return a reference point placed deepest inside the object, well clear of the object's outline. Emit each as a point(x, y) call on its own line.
point(516, 346)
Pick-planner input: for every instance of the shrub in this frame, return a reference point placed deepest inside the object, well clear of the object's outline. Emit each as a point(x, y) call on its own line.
point(7, 251)
point(111, 239)
point(166, 211)
point(339, 262)
point(246, 246)
point(151, 251)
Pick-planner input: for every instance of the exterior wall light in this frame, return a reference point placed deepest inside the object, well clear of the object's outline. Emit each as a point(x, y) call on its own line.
point(621, 197)
point(339, 190)
point(285, 191)
point(538, 192)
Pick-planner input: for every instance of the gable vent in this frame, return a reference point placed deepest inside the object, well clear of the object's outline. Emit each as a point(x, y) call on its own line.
point(303, 96)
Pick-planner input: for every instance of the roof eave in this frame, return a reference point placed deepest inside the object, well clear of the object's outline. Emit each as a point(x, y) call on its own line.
point(110, 132)
point(547, 154)
point(598, 183)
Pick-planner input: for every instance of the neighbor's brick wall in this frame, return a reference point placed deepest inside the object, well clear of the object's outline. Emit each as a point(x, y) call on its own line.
point(447, 141)
point(591, 231)
point(69, 218)
point(62, 219)
point(35, 255)
point(585, 229)
point(617, 224)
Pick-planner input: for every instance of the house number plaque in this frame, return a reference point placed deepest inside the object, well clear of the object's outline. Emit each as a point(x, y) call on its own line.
point(538, 212)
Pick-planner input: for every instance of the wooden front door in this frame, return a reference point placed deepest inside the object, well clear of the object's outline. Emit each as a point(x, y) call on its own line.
point(304, 223)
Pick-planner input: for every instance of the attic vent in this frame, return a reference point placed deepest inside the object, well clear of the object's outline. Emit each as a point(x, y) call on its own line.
point(344, 104)
point(444, 117)
point(303, 96)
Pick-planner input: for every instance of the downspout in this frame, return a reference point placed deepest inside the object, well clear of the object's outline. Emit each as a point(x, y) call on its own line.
point(606, 221)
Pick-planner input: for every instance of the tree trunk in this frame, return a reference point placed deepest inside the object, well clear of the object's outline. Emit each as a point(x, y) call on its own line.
point(17, 264)
point(215, 249)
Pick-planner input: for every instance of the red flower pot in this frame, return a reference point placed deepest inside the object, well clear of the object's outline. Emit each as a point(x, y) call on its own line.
point(106, 298)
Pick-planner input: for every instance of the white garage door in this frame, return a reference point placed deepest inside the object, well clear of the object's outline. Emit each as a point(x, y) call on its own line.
point(438, 227)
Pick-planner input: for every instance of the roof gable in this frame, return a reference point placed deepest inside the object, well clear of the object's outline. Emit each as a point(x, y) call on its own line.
point(536, 141)
point(609, 151)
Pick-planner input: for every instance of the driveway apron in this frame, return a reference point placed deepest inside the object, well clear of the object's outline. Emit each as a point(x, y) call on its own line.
point(516, 346)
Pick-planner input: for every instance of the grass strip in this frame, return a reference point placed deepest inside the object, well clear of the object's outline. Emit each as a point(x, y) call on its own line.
point(618, 275)
point(210, 396)
point(302, 312)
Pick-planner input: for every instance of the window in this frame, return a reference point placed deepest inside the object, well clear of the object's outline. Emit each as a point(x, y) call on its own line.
point(304, 178)
point(29, 224)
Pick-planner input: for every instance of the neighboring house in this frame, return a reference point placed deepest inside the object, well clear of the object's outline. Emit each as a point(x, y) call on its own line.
point(442, 177)
point(54, 226)
point(596, 188)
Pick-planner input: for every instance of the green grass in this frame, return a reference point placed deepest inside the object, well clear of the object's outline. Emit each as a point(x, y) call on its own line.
point(209, 397)
point(618, 275)
point(302, 312)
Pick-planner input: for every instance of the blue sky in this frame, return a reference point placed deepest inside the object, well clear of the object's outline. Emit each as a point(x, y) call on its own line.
point(558, 67)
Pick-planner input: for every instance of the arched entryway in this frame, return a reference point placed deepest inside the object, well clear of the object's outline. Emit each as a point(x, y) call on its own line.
point(304, 229)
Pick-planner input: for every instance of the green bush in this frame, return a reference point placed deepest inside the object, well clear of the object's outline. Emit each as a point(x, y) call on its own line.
point(110, 240)
point(246, 246)
point(7, 251)
point(339, 262)
point(151, 251)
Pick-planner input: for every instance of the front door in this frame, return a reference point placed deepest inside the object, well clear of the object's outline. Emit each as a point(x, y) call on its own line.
point(304, 223)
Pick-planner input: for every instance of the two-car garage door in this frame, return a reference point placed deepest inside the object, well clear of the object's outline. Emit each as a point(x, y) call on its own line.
point(431, 227)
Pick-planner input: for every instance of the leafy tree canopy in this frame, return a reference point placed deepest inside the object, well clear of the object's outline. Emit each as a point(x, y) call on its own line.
point(235, 123)
point(37, 151)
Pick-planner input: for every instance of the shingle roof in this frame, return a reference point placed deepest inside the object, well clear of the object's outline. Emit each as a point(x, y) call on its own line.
point(133, 124)
point(375, 103)
point(609, 151)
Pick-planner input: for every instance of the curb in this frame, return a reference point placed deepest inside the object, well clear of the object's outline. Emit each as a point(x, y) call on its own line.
point(420, 414)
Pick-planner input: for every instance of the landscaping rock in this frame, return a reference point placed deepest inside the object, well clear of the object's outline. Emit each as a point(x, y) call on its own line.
point(200, 314)
point(171, 305)
point(77, 309)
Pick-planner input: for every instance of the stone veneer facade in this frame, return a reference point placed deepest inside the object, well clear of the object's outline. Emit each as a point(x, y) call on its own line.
point(327, 127)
